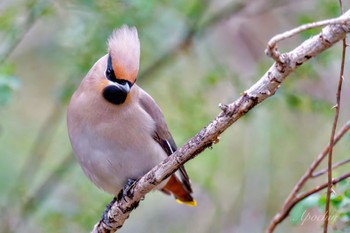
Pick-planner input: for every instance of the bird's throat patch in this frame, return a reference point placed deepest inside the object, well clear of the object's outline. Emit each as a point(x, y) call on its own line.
point(114, 94)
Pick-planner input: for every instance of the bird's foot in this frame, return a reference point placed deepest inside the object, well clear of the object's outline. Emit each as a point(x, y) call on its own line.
point(105, 218)
point(125, 192)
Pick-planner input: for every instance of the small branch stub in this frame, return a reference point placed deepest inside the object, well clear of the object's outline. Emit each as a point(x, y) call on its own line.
point(272, 49)
point(223, 107)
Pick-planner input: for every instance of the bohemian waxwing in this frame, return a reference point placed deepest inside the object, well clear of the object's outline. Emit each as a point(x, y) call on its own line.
point(117, 131)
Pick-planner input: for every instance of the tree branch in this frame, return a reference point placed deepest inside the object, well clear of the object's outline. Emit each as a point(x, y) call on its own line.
point(186, 41)
point(334, 127)
point(264, 88)
point(293, 196)
point(335, 165)
point(271, 49)
point(35, 10)
point(304, 195)
point(319, 188)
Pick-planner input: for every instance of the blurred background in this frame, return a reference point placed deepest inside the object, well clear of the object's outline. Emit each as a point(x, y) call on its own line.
point(194, 55)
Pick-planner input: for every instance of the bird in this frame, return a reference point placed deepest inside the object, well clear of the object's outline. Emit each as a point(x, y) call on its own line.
point(117, 131)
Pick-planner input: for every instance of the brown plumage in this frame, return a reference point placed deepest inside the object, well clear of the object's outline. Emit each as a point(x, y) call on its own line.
point(116, 129)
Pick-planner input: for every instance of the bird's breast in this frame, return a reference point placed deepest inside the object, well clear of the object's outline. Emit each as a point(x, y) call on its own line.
point(114, 143)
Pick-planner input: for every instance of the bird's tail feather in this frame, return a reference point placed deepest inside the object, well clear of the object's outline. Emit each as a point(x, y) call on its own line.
point(176, 188)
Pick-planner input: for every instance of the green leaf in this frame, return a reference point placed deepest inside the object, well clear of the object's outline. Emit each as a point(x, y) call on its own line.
point(343, 183)
point(322, 201)
point(303, 102)
point(347, 214)
point(293, 100)
point(311, 201)
point(214, 76)
point(299, 210)
point(331, 8)
point(336, 200)
point(8, 83)
point(347, 191)
point(304, 19)
point(7, 18)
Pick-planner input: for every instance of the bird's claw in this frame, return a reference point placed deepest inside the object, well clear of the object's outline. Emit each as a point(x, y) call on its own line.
point(105, 218)
point(125, 192)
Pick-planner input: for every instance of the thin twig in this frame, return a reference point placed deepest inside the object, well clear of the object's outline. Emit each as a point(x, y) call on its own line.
point(304, 195)
point(335, 165)
point(188, 36)
point(272, 50)
point(331, 143)
point(48, 185)
point(283, 213)
point(34, 13)
point(320, 187)
point(40, 146)
point(38, 197)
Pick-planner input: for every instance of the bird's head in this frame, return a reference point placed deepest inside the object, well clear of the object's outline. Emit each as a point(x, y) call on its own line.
point(123, 64)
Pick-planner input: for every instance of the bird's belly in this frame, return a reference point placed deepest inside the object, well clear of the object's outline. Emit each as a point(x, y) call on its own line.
point(109, 163)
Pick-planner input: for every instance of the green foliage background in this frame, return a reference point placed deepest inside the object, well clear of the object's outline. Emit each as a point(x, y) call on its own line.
point(194, 55)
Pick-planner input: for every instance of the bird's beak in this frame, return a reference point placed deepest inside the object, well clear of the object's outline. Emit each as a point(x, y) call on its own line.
point(122, 86)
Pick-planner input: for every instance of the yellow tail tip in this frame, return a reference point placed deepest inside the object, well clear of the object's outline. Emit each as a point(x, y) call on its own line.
point(189, 203)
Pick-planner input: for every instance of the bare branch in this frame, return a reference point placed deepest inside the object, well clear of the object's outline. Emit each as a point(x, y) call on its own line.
point(186, 41)
point(331, 143)
point(320, 187)
point(335, 165)
point(290, 201)
point(33, 14)
point(264, 88)
point(272, 50)
point(312, 191)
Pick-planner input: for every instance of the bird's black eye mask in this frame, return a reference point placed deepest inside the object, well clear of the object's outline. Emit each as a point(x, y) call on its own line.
point(110, 75)
point(117, 93)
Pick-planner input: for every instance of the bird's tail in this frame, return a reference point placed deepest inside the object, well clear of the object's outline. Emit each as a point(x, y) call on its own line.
point(176, 188)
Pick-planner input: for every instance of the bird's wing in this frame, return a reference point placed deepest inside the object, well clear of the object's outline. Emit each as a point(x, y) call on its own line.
point(162, 134)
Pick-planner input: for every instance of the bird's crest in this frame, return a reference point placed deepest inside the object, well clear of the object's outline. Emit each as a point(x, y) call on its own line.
point(124, 49)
